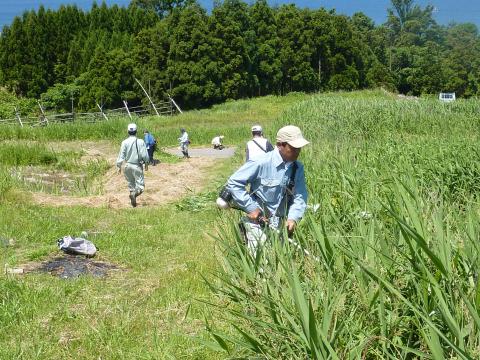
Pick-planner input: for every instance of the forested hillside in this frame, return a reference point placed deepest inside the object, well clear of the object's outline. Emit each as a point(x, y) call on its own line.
point(237, 51)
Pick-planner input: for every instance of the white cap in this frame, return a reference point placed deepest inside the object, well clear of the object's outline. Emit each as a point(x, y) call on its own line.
point(257, 128)
point(132, 127)
point(292, 136)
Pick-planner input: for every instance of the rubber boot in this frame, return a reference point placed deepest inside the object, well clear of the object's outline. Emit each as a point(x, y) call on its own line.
point(133, 199)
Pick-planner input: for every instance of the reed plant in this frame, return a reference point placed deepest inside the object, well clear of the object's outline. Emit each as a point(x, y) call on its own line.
point(392, 270)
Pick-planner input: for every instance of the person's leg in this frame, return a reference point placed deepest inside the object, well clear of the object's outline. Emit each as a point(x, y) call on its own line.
point(129, 173)
point(185, 151)
point(254, 234)
point(139, 181)
point(150, 155)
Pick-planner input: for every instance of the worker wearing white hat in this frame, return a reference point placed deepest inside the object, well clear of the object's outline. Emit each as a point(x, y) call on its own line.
point(258, 146)
point(278, 194)
point(184, 143)
point(217, 142)
point(134, 152)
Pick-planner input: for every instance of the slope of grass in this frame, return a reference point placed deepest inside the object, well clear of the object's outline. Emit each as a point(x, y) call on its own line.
point(394, 245)
point(148, 309)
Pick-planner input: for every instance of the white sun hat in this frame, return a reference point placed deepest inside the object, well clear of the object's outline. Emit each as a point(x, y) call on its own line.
point(291, 135)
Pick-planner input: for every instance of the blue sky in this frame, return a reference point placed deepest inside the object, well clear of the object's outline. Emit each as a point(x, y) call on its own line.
point(445, 10)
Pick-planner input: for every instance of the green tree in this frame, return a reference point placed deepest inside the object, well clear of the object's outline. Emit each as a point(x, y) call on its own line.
point(150, 55)
point(162, 7)
point(231, 35)
point(60, 96)
point(192, 70)
point(462, 60)
point(264, 51)
point(109, 80)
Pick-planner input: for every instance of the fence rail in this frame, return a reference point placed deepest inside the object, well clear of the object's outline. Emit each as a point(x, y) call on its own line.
point(166, 108)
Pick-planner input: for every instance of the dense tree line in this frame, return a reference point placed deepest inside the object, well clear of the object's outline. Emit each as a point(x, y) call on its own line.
point(237, 51)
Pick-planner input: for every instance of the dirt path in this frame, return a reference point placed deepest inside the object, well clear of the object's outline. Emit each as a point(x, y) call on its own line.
point(196, 152)
point(164, 183)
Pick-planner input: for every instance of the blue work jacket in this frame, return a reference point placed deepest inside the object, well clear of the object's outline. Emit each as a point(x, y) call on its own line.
point(149, 140)
point(268, 177)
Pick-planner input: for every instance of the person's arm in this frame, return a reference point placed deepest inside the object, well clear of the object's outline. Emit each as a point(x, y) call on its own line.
point(143, 152)
point(121, 155)
point(237, 186)
point(247, 154)
point(297, 209)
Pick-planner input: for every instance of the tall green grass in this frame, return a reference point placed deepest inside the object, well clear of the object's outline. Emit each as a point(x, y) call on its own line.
point(396, 238)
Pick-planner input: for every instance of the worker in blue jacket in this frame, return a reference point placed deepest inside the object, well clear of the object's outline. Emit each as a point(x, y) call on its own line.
point(150, 143)
point(277, 192)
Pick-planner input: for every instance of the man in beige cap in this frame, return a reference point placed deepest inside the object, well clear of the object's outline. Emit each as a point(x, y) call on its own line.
point(278, 193)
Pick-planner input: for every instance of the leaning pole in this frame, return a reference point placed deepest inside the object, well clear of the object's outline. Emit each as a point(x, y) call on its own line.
point(148, 96)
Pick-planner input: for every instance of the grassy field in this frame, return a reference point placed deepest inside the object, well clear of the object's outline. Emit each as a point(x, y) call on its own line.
point(393, 270)
point(147, 310)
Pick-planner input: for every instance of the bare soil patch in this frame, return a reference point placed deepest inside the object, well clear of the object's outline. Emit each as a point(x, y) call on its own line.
point(164, 183)
point(70, 266)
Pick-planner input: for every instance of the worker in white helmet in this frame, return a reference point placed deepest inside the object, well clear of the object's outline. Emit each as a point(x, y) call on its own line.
point(184, 143)
point(217, 142)
point(258, 146)
point(134, 152)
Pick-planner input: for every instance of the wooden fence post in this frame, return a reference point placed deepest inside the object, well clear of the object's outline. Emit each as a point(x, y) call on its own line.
point(101, 110)
point(174, 103)
point(149, 99)
point(45, 119)
point(17, 114)
point(128, 111)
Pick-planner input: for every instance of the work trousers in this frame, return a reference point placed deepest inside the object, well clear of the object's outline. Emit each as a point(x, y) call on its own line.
point(255, 235)
point(134, 175)
point(150, 151)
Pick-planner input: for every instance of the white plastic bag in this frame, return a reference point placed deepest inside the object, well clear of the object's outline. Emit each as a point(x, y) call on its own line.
point(77, 246)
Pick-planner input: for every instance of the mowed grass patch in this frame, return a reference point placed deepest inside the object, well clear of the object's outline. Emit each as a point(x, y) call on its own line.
point(146, 310)
point(36, 166)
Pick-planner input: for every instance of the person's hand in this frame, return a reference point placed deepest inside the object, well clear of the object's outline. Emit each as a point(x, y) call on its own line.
point(291, 225)
point(256, 215)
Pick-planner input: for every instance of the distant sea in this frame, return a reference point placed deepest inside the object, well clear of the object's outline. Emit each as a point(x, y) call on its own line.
point(446, 11)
